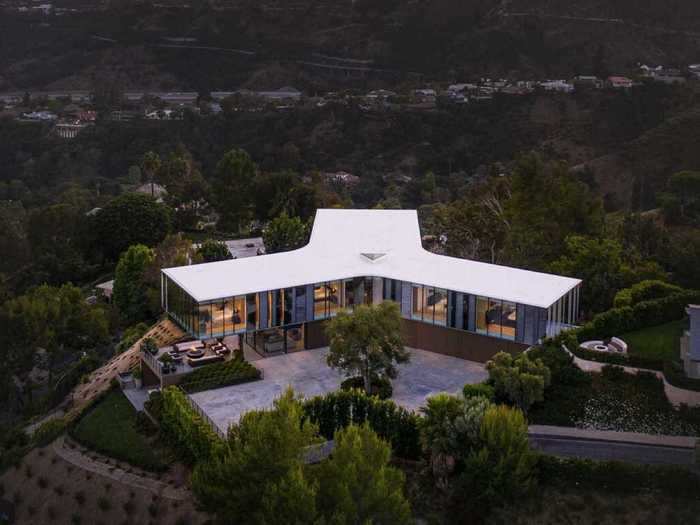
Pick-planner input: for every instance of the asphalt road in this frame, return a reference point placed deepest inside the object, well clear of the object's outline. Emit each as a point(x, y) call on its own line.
point(606, 450)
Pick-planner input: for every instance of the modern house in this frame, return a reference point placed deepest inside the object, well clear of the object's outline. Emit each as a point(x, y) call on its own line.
point(279, 302)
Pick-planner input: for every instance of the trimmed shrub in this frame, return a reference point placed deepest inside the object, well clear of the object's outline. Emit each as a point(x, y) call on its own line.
point(185, 427)
point(381, 386)
point(645, 291)
point(479, 390)
point(217, 375)
point(337, 410)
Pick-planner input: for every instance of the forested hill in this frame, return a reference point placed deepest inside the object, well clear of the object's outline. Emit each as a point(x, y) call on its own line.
point(225, 44)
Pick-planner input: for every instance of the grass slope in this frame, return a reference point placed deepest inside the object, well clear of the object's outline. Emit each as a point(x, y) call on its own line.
point(111, 428)
point(656, 342)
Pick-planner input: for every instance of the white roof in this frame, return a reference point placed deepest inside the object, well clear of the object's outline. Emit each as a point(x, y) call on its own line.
point(391, 243)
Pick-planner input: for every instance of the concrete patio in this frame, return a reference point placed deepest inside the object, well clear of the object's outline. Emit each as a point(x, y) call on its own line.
point(307, 373)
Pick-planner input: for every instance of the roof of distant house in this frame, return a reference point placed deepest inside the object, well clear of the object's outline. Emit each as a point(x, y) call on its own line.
point(359, 243)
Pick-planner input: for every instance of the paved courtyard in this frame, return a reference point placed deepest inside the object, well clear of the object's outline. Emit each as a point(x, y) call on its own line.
point(307, 373)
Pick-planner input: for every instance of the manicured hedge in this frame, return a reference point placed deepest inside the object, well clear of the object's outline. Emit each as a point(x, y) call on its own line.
point(337, 410)
point(629, 318)
point(645, 291)
point(218, 375)
point(617, 477)
point(185, 427)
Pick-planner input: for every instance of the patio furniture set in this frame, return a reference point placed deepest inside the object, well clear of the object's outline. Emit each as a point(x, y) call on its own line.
point(194, 353)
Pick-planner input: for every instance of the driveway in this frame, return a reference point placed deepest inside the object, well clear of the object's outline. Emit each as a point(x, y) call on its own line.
point(307, 373)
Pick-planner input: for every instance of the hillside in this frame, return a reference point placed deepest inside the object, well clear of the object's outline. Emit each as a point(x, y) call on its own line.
point(228, 44)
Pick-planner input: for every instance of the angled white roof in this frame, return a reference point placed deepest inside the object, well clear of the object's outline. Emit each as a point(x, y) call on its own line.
point(362, 243)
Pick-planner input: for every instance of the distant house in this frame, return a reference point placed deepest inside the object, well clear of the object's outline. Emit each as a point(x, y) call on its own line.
point(105, 290)
point(670, 76)
point(617, 82)
point(694, 70)
point(341, 177)
point(40, 116)
point(558, 86)
point(154, 190)
point(690, 343)
point(587, 81)
point(69, 130)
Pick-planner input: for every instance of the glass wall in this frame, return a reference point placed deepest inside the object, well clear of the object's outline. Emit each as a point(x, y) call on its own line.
point(293, 306)
point(482, 308)
point(429, 304)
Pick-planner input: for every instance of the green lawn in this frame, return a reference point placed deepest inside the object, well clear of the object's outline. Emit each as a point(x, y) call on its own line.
point(111, 429)
point(656, 342)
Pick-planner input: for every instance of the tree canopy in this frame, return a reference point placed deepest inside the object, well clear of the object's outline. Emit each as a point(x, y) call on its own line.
point(367, 342)
point(212, 250)
point(130, 219)
point(231, 185)
point(285, 233)
point(130, 286)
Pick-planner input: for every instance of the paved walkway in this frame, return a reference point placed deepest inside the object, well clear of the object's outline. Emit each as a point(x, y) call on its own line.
point(308, 374)
point(677, 396)
point(80, 460)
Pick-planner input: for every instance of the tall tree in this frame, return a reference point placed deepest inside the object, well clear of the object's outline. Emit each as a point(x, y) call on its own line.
point(150, 166)
point(130, 219)
point(233, 178)
point(130, 287)
point(605, 268)
point(250, 478)
point(367, 342)
point(357, 484)
point(547, 204)
point(285, 233)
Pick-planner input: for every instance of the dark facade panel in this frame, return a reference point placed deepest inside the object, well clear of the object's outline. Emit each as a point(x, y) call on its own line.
point(456, 343)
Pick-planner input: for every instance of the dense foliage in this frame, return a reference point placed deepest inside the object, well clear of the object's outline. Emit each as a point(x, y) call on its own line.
point(336, 410)
point(217, 375)
point(130, 290)
point(520, 381)
point(285, 233)
point(185, 428)
point(130, 219)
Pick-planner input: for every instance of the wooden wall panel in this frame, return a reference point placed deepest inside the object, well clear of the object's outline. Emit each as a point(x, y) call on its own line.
point(439, 339)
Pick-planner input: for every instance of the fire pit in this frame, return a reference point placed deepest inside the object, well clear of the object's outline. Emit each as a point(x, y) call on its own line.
point(195, 353)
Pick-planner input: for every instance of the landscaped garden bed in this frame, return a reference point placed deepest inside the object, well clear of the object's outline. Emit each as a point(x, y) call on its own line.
point(232, 372)
point(111, 427)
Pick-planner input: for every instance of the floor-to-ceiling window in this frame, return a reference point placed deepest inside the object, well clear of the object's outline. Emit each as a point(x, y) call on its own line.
point(252, 311)
point(320, 301)
point(204, 328)
point(417, 303)
point(440, 304)
point(349, 294)
point(334, 297)
point(482, 308)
